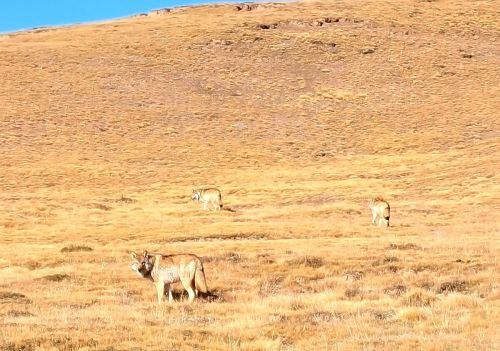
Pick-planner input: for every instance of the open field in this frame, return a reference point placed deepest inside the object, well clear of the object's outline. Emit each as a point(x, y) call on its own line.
point(299, 113)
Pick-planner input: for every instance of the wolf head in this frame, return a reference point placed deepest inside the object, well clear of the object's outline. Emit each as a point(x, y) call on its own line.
point(142, 264)
point(195, 196)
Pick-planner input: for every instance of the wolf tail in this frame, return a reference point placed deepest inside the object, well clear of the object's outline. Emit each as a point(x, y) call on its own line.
point(199, 279)
point(387, 212)
point(387, 215)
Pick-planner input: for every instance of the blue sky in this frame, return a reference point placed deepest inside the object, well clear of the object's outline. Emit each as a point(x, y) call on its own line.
point(24, 14)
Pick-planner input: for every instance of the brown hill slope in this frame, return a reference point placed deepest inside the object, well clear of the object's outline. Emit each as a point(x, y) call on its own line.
point(299, 112)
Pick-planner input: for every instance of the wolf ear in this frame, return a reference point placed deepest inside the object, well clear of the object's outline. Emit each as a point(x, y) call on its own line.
point(133, 255)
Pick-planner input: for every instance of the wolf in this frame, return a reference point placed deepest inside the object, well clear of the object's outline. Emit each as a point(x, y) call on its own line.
point(381, 211)
point(208, 195)
point(164, 270)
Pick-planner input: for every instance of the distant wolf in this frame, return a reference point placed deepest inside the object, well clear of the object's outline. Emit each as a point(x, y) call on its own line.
point(164, 270)
point(381, 211)
point(208, 195)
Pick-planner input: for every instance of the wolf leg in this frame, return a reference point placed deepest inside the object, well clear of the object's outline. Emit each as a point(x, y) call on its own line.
point(160, 289)
point(191, 294)
point(187, 283)
point(170, 296)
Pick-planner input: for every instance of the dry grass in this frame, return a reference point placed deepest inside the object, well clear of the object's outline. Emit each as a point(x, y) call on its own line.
point(300, 113)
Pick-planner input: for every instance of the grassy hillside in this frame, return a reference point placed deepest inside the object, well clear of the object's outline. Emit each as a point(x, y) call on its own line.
point(299, 113)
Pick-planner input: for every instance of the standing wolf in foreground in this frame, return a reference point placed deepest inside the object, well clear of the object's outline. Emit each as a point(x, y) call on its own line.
point(164, 270)
point(381, 211)
point(208, 195)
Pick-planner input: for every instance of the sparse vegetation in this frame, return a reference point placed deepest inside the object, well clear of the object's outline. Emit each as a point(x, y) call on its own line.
point(299, 113)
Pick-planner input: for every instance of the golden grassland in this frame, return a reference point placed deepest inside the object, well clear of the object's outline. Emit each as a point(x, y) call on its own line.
point(299, 113)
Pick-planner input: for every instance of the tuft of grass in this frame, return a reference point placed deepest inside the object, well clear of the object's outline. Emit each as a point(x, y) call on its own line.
point(352, 292)
point(413, 314)
point(353, 275)
point(390, 259)
point(101, 207)
point(126, 200)
point(307, 261)
point(76, 248)
point(385, 260)
point(32, 264)
point(318, 317)
point(10, 297)
point(383, 315)
point(56, 277)
point(418, 298)
point(453, 286)
point(233, 257)
point(271, 286)
point(395, 290)
point(22, 346)
point(407, 246)
point(17, 313)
